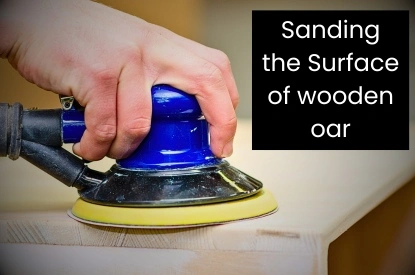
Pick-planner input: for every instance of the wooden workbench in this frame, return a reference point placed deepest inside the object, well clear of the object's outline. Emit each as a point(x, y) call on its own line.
point(321, 194)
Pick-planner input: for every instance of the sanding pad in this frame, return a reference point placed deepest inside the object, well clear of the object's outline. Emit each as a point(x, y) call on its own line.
point(261, 204)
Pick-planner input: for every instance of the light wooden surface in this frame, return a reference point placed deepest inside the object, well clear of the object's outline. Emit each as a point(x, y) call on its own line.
point(321, 194)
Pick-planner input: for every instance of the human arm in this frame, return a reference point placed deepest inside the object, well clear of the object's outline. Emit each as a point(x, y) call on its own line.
point(109, 60)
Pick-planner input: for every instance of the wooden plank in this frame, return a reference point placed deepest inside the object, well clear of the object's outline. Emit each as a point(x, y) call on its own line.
point(49, 259)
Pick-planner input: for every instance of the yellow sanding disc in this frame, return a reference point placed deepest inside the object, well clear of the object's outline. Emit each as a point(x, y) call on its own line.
point(260, 204)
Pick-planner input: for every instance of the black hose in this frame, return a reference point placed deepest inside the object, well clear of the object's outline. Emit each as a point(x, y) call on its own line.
point(42, 126)
point(35, 135)
point(55, 161)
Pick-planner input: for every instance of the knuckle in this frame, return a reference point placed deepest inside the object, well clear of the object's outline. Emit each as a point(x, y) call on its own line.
point(211, 71)
point(132, 54)
point(222, 60)
point(235, 99)
point(103, 79)
point(136, 128)
point(231, 124)
point(104, 133)
point(227, 126)
point(209, 75)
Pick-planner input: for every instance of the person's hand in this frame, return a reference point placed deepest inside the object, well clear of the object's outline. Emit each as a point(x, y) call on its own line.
point(108, 61)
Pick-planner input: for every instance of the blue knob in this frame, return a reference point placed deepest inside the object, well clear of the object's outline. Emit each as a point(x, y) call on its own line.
point(178, 138)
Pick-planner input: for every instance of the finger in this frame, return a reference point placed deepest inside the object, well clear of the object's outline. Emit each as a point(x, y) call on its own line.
point(100, 121)
point(133, 111)
point(218, 58)
point(197, 76)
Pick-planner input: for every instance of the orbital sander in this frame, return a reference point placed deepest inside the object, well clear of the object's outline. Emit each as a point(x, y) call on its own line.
point(171, 180)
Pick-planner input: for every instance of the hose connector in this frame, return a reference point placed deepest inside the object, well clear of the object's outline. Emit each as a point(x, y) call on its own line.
point(10, 130)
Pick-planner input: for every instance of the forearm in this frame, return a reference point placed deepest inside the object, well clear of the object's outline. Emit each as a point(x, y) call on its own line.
point(8, 27)
point(18, 18)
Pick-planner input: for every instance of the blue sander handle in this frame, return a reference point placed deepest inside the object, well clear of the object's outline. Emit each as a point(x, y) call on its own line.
point(178, 138)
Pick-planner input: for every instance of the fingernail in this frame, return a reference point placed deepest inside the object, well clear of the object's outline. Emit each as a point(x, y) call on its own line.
point(227, 150)
point(76, 148)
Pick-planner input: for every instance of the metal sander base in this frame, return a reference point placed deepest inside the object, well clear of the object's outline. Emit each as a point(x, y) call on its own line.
point(260, 204)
